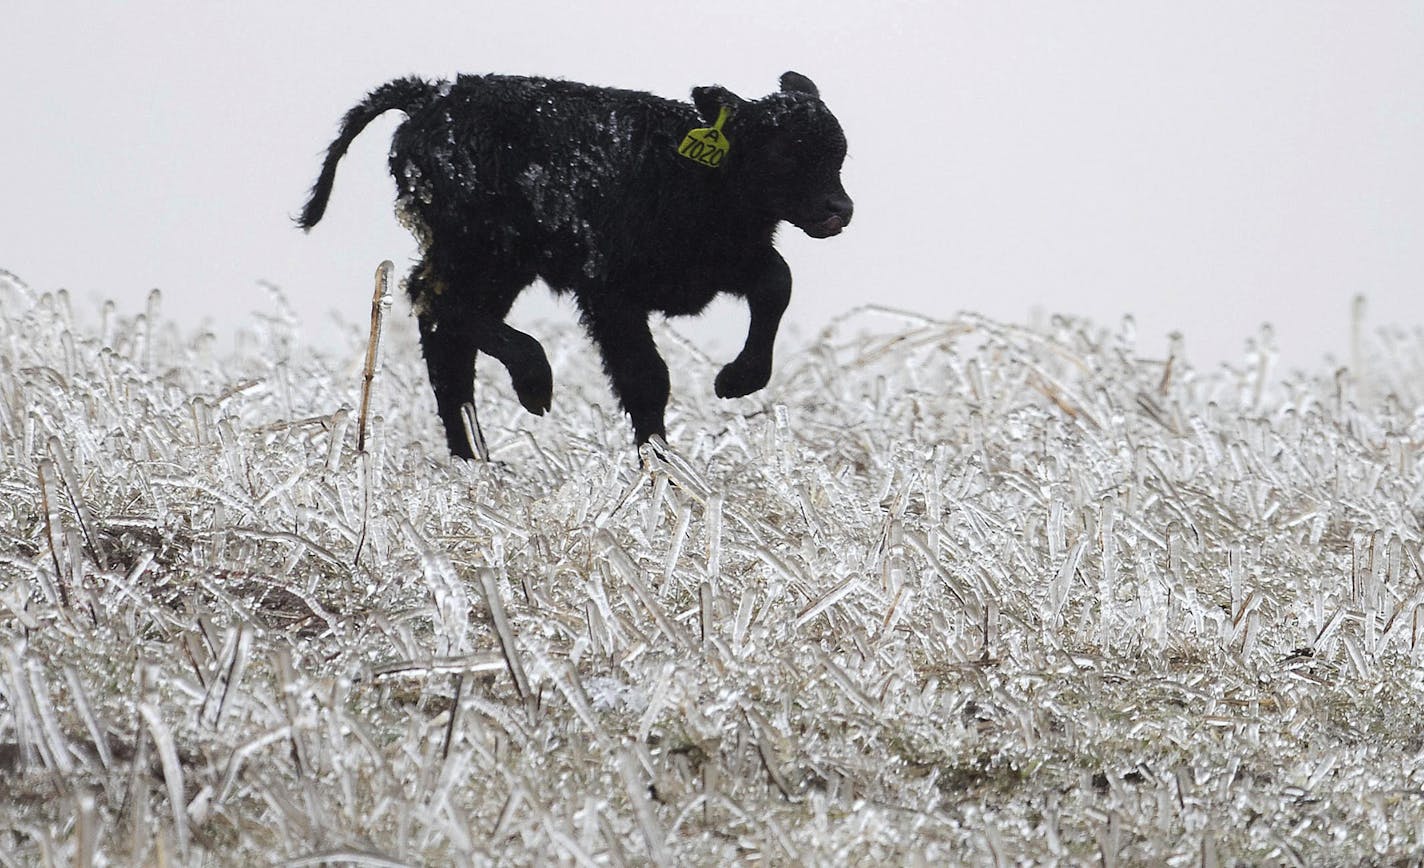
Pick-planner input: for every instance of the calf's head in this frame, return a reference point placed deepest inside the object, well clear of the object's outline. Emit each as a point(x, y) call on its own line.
point(787, 149)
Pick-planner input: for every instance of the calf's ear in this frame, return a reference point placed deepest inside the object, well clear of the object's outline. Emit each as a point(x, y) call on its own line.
point(712, 99)
point(795, 82)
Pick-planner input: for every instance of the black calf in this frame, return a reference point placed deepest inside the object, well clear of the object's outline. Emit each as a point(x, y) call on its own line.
point(601, 193)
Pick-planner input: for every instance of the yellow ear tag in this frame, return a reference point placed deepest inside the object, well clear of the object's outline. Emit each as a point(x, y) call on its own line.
point(707, 145)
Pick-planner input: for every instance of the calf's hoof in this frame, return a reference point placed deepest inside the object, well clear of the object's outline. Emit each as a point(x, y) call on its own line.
point(740, 378)
point(535, 388)
point(459, 446)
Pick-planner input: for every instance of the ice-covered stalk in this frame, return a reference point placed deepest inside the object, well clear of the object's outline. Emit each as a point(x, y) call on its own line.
point(380, 303)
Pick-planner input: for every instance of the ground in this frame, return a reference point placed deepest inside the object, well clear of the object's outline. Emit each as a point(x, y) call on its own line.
point(945, 592)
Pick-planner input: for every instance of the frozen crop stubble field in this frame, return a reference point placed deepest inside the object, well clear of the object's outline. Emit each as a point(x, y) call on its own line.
point(945, 592)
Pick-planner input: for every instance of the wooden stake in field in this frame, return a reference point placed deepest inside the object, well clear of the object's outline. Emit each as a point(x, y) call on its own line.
point(380, 303)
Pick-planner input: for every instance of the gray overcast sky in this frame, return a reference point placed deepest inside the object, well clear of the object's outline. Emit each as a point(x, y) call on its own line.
point(1205, 166)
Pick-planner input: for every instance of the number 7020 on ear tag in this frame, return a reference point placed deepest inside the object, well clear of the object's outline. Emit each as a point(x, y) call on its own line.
point(707, 145)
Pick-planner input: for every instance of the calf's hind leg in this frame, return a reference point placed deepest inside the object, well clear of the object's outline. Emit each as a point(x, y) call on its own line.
point(459, 320)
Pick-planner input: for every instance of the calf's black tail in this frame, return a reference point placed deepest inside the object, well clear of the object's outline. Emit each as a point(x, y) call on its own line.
point(405, 94)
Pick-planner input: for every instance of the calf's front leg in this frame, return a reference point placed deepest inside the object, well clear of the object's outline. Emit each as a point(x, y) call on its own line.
point(636, 370)
point(767, 290)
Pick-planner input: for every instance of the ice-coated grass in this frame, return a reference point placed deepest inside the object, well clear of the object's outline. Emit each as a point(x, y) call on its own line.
point(944, 593)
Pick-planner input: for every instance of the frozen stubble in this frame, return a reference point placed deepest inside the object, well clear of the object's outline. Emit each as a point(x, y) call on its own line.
point(961, 590)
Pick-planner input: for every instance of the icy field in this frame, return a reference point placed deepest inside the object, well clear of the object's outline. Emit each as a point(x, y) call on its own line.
point(944, 593)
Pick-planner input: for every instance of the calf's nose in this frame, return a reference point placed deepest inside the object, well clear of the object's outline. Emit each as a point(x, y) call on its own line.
point(841, 206)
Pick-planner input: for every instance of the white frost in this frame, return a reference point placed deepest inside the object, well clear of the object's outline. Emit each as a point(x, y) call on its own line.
point(943, 593)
